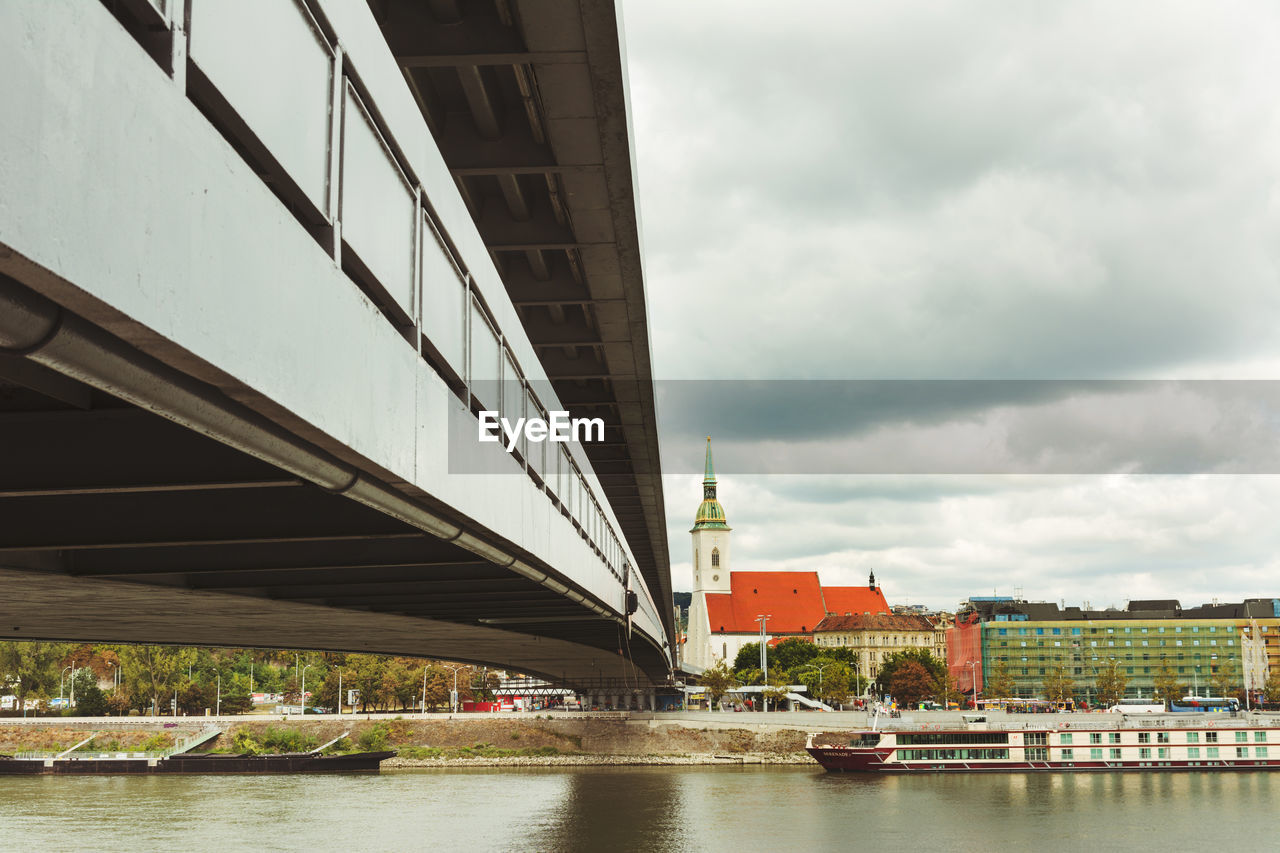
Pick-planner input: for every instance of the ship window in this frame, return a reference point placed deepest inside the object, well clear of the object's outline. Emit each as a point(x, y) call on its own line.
point(1144, 737)
point(1115, 754)
point(1144, 752)
point(1068, 754)
point(1242, 752)
point(1242, 737)
point(1113, 737)
point(1210, 752)
point(1193, 752)
point(1095, 754)
point(1260, 751)
point(1162, 752)
point(1210, 737)
point(1095, 737)
point(1193, 737)
point(1260, 737)
point(1162, 737)
point(1065, 739)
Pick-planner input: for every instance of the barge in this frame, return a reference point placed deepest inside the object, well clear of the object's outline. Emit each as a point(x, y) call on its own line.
point(1155, 742)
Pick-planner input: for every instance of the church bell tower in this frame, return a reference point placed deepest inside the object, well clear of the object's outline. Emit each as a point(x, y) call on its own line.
point(710, 569)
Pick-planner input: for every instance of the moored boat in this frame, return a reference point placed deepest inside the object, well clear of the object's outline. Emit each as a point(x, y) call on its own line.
point(977, 745)
point(302, 762)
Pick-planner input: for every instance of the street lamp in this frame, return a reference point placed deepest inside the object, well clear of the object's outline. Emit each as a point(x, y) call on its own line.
point(973, 681)
point(217, 708)
point(60, 682)
point(763, 619)
point(302, 694)
point(453, 698)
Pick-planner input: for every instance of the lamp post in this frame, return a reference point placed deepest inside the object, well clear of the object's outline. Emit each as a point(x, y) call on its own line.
point(302, 694)
point(973, 681)
point(217, 708)
point(453, 698)
point(424, 690)
point(60, 682)
point(763, 619)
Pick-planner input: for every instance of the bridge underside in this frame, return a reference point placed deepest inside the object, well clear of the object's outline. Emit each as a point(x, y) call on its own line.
point(119, 525)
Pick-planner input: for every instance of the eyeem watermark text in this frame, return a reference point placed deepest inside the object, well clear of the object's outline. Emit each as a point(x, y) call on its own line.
point(559, 427)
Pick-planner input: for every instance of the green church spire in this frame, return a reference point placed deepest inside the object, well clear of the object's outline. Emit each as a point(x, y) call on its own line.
point(710, 513)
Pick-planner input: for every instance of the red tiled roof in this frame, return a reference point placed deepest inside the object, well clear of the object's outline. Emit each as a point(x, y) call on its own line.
point(854, 599)
point(875, 622)
point(795, 602)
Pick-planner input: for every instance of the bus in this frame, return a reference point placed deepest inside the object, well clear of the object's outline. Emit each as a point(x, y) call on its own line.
point(1205, 703)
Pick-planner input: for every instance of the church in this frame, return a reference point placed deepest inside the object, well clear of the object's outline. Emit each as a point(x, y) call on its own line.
point(726, 608)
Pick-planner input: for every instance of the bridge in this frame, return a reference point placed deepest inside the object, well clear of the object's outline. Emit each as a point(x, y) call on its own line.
point(262, 263)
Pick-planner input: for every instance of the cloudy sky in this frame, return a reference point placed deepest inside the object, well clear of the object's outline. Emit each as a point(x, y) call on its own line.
point(1002, 199)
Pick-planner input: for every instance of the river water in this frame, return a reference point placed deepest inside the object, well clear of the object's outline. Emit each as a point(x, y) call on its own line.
point(640, 808)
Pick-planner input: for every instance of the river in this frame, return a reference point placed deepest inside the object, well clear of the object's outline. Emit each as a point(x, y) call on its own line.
point(640, 808)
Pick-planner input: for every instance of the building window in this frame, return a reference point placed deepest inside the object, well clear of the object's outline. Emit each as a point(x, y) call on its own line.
point(715, 557)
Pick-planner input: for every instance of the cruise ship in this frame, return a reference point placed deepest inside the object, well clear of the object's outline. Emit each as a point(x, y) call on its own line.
point(1154, 742)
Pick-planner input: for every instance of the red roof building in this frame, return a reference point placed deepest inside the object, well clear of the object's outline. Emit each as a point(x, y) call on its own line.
point(795, 603)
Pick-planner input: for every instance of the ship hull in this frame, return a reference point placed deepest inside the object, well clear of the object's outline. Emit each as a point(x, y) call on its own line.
point(362, 762)
point(837, 760)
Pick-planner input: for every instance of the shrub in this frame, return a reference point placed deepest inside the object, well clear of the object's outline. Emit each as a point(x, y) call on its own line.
point(288, 740)
point(374, 738)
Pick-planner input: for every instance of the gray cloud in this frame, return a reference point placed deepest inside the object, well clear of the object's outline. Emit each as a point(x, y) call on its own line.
point(979, 190)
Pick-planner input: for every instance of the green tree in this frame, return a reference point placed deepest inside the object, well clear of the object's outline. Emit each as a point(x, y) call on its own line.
point(791, 653)
point(1111, 684)
point(1271, 690)
point(31, 670)
point(1226, 679)
point(748, 658)
point(776, 689)
point(1167, 685)
point(90, 700)
point(365, 676)
point(948, 693)
point(910, 683)
point(1058, 685)
point(717, 681)
point(155, 671)
point(998, 683)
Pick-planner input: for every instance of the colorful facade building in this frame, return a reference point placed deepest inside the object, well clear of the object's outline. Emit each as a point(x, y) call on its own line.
point(1206, 648)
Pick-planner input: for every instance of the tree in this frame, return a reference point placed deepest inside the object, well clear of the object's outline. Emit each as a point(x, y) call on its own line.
point(90, 700)
point(1111, 684)
point(31, 669)
point(1226, 678)
point(748, 658)
point(911, 682)
point(364, 674)
point(947, 691)
point(936, 669)
point(717, 681)
point(998, 683)
point(1166, 683)
point(836, 683)
point(776, 690)
point(1058, 686)
point(791, 653)
point(1271, 690)
point(155, 670)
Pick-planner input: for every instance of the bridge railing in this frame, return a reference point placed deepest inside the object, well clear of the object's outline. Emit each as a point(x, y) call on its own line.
point(354, 162)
